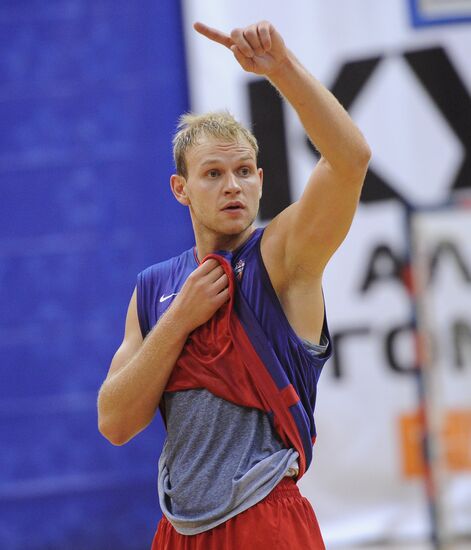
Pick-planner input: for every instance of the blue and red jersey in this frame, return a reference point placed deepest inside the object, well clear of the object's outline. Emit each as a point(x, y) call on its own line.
point(247, 353)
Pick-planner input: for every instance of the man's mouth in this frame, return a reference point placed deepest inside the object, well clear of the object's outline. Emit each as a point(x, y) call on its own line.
point(233, 206)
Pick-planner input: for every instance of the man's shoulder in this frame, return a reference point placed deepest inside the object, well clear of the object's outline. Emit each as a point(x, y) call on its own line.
point(182, 261)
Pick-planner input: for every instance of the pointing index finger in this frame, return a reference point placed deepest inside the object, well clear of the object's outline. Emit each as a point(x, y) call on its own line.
point(213, 34)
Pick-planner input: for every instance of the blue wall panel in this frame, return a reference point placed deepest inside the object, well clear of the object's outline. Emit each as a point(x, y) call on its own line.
point(90, 92)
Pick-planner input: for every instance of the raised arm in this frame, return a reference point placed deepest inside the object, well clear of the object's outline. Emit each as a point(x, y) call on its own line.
point(309, 231)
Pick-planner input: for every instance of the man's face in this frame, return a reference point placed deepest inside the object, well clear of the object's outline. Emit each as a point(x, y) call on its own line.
point(223, 186)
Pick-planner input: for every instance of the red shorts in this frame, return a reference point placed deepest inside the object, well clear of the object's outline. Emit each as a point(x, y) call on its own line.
point(283, 520)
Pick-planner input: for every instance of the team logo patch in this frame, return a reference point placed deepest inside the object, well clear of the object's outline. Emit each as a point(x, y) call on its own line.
point(239, 269)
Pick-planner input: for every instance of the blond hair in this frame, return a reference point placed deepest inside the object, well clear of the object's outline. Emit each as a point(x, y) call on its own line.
point(220, 125)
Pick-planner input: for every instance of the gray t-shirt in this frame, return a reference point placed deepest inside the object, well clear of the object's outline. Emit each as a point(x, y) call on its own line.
point(219, 458)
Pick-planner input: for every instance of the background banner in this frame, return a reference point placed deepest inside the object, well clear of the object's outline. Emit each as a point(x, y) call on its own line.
point(408, 90)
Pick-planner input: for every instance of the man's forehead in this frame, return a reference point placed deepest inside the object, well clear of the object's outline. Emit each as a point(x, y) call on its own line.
point(208, 147)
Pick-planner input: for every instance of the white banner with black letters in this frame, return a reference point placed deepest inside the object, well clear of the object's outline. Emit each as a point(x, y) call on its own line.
point(407, 87)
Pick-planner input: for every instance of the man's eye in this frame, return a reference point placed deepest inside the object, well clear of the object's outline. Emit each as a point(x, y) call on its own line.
point(245, 171)
point(213, 173)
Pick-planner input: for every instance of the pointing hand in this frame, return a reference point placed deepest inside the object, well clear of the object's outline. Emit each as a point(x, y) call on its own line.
point(259, 48)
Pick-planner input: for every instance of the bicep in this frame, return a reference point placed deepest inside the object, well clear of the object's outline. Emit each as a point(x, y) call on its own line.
point(132, 340)
point(315, 226)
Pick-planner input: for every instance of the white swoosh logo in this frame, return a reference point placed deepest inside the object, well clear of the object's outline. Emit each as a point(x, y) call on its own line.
point(163, 297)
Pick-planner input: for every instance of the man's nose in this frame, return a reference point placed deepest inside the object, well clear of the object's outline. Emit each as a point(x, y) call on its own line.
point(231, 184)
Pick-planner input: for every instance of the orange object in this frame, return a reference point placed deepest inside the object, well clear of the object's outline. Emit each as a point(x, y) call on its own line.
point(456, 442)
point(457, 434)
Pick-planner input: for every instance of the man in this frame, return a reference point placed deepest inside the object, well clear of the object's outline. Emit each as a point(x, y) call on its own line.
point(227, 470)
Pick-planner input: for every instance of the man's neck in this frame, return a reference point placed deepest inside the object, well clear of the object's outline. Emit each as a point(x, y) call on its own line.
point(209, 244)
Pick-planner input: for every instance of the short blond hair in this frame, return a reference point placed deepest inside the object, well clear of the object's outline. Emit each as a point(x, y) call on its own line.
point(219, 124)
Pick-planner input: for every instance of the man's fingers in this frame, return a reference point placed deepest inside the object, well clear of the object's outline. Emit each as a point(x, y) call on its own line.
point(263, 30)
point(258, 48)
point(239, 39)
point(214, 274)
point(223, 297)
point(245, 62)
point(221, 283)
point(207, 266)
point(252, 37)
point(213, 34)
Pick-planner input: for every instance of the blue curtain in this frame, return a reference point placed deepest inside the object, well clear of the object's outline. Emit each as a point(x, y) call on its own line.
point(90, 93)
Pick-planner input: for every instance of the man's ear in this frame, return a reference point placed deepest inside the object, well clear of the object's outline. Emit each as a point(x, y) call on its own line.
point(260, 175)
point(178, 187)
